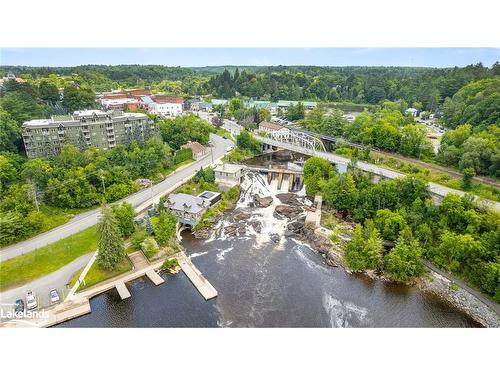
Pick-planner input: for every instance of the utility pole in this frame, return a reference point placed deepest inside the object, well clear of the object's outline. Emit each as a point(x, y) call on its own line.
point(35, 198)
point(152, 195)
point(102, 179)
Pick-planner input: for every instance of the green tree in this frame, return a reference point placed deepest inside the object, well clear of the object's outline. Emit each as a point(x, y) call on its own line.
point(49, 92)
point(364, 251)
point(10, 132)
point(403, 263)
point(111, 250)
point(389, 223)
point(316, 171)
point(124, 214)
point(165, 227)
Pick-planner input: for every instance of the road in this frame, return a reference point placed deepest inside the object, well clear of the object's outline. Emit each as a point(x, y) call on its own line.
point(343, 161)
point(89, 218)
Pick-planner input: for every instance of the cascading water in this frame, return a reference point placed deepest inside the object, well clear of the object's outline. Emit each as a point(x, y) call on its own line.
point(265, 278)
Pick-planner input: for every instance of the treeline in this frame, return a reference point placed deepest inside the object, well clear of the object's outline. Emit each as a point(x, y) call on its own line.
point(429, 86)
point(457, 236)
point(386, 128)
point(104, 75)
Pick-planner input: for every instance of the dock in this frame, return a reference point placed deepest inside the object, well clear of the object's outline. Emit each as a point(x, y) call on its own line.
point(122, 290)
point(154, 277)
point(204, 287)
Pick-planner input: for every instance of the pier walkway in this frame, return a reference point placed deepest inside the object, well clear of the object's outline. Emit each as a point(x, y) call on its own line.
point(122, 290)
point(204, 287)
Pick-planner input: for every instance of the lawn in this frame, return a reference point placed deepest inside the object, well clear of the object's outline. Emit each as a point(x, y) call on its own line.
point(97, 275)
point(22, 269)
point(174, 167)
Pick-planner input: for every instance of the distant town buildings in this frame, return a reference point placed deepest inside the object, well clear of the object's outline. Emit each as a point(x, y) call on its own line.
point(104, 130)
point(10, 77)
point(163, 105)
point(199, 151)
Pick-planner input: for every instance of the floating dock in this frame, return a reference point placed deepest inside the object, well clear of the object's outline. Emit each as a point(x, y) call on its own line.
point(154, 277)
point(122, 290)
point(204, 287)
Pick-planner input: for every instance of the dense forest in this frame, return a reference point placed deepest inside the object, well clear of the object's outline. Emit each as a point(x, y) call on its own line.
point(429, 86)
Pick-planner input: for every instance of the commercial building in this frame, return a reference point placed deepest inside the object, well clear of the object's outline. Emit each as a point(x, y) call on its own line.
point(165, 105)
point(104, 130)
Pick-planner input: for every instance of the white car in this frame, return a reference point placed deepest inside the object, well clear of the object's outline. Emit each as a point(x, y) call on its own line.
point(31, 300)
point(54, 296)
point(229, 148)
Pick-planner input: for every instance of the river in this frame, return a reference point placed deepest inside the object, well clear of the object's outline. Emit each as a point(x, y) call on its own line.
point(266, 279)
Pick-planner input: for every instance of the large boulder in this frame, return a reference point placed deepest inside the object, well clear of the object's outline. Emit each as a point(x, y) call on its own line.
point(263, 201)
point(288, 211)
point(288, 198)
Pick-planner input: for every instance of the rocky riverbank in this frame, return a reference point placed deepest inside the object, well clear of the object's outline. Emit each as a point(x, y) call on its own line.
point(291, 209)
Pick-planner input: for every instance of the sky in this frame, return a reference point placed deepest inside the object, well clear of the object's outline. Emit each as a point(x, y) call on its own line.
point(197, 57)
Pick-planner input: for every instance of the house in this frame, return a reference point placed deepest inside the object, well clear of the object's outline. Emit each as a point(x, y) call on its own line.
point(199, 151)
point(412, 111)
point(187, 208)
point(166, 105)
point(228, 175)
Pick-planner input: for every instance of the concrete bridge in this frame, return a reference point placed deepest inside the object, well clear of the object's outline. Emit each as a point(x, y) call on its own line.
point(307, 144)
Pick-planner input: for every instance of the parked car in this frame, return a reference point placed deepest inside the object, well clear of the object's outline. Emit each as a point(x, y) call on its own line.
point(224, 137)
point(19, 307)
point(229, 148)
point(31, 300)
point(54, 296)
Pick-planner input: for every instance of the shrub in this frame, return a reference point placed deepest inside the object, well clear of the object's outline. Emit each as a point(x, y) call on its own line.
point(150, 247)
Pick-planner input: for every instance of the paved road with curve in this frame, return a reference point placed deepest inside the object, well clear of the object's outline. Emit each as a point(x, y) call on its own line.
point(89, 218)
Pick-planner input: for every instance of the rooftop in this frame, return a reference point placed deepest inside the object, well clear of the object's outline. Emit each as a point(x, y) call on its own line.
point(77, 115)
point(270, 125)
point(187, 203)
point(162, 99)
point(195, 146)
point(228, 168)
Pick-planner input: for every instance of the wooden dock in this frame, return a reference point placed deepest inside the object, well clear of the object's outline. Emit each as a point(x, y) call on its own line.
point(122, 290)
point(204, 287)
point(154, 277)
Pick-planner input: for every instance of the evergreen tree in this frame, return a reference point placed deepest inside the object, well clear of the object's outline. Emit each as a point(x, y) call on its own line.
point(111, 250)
